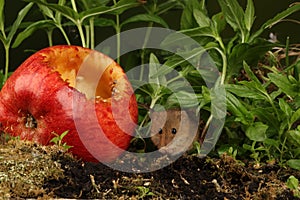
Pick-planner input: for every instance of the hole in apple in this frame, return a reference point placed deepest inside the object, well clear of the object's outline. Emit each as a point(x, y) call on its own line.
point(30, 121)
point(91, 64)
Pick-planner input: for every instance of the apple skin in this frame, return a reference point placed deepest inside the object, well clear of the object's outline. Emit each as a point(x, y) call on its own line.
point(40, 98)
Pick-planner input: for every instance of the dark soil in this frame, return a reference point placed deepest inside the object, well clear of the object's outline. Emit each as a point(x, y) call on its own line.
point(31, 171)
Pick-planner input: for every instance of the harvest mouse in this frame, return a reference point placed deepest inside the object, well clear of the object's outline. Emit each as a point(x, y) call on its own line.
point(173, 131)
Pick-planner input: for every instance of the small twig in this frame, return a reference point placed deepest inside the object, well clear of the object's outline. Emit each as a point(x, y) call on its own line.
point(94, 183)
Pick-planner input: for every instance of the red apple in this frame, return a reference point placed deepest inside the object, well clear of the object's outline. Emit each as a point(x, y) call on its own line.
point(71, 88)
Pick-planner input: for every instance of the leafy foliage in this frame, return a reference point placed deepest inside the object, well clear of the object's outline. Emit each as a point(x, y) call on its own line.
point(262, 91)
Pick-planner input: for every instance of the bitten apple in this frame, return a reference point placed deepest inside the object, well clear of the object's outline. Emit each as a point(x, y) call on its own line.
point(71, 88)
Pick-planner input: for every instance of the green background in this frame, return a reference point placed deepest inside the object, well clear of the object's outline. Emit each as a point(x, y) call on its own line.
point(264, 10)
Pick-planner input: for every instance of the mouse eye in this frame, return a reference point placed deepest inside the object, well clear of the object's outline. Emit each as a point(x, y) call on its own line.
point(174, 131)
point(160, 131)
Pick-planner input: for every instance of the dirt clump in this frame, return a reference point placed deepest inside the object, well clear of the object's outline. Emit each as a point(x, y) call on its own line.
point(28, 170)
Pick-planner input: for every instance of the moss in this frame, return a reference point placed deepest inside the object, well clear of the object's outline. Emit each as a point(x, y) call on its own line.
point(24, 166)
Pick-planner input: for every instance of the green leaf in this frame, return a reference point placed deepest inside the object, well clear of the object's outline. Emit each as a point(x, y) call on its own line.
point(165, 70)
point(124, 5)
point(58, 14)
point(255, 83)
point(154, 69)
point(117, 9)
point(244, 91)
point(218, 100)
point(184, 37)
point(31, 29)
point(294, 137)
point(278, 18)
point(18, 21)
point(294, 163)
point(272, 142)
point(294, 8)
point(250, 73)
point(2, 3)
point(292, 183)
point(46, 11)
point(187, 18)
point(96, 11)
point(257, 132)
point(285, 107)
point(3, 39)
point(249, 52)
point(233, 13)
point(266, 115)
point(64, 134)
point(284, 84)
point(64, 10)
point(201, 19)
point(247, 147)
point(249, 15)
point(218, 22)
point(295, 117)
point(87, 4)
point(164, 6)
point(146, 18)
point(103, 22)
point(182, 98)
point(236, 107)
point(177, 85)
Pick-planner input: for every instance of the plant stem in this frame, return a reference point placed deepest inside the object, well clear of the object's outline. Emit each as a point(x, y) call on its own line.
point(78, 23)
point(153, 101)
point(81, 33)
point(282, 150)
point(273, 106)
point(49, 35)
point(206, 127)
point(87, 33)
point(64, 34)
point(92, 32)
point(223, 77)
point(287, 45)
point(224, 68)
point(74, 5)
point(118, 31)
point(6, 47)
point(149, 29)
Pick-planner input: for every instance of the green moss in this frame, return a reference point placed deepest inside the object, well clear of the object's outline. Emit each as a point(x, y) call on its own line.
point(24, 166)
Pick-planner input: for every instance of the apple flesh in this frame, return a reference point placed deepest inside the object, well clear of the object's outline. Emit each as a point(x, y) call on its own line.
point(71, 88)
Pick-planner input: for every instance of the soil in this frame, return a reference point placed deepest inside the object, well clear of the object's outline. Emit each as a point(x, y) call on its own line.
point(28, 170)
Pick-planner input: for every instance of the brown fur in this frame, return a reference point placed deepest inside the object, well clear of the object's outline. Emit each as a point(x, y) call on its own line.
point(164, 122)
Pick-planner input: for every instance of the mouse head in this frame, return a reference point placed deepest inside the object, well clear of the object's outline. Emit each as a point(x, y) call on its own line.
point(165, 126)
point(172, 131)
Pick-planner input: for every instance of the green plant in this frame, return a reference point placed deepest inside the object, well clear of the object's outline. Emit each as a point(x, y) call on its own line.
point(7, 35)
point(293, 184)
point(263, 110)
point(144, 191)
point(57, 140)
point(86, 15)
